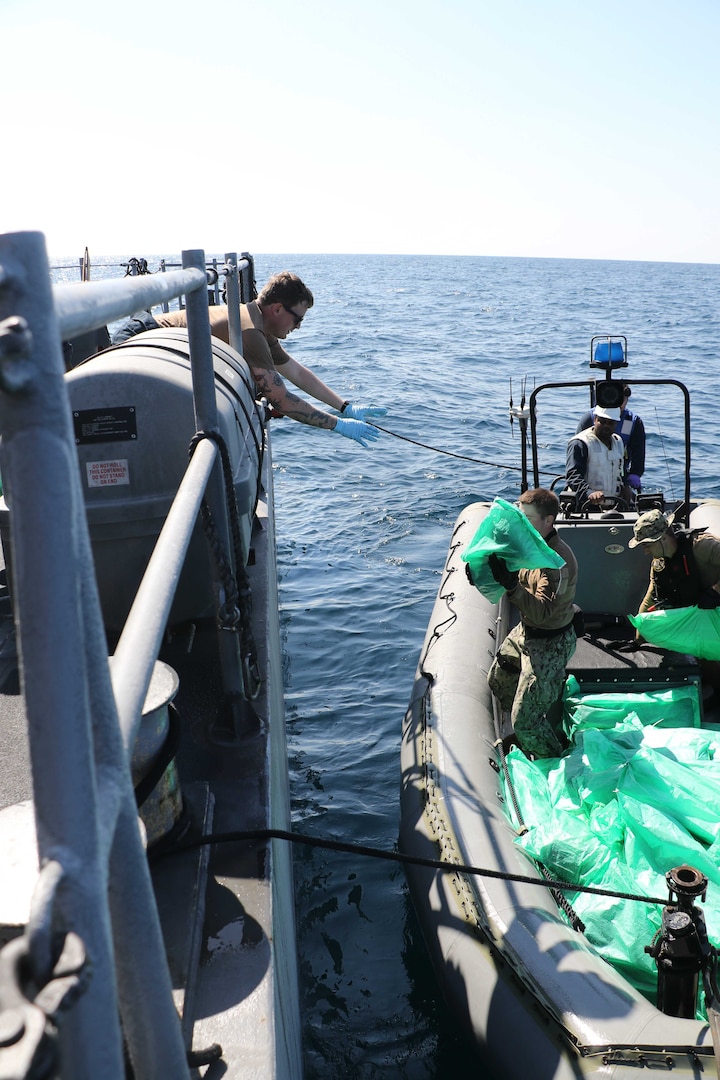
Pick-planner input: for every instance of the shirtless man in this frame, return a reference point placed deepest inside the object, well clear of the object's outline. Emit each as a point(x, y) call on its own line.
point(279, 309)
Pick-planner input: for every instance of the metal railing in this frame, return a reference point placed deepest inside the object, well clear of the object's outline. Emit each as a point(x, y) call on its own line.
point(140, 267)
point(83, 717)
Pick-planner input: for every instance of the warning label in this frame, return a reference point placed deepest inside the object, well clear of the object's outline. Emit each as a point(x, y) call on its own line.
point(107, 473)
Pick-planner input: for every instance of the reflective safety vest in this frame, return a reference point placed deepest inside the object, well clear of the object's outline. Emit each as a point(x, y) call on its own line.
point(627, 423)
point(605, 464)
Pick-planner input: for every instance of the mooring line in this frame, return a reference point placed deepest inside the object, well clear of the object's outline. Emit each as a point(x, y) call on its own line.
point(392, 856)
point(451, 453)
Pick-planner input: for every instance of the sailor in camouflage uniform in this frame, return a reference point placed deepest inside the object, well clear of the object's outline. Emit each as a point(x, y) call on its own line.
point(527, 675)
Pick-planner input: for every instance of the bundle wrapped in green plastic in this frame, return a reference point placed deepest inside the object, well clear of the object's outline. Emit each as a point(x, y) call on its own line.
point(676, 707)
point(621, 808)
point(505, 531)
point(685, 630)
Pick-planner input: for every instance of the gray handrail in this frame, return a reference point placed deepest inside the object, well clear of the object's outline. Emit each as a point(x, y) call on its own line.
point(85, 306)
point(78, 727)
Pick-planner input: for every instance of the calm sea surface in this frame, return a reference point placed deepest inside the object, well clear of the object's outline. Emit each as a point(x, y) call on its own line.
point(362, 536)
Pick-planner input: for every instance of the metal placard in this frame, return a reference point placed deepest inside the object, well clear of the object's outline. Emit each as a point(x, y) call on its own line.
point(105, 425)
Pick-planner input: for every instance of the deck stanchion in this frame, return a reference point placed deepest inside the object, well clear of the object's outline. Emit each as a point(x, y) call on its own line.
point(71, 715)
point(206, 419)
point(232, 286)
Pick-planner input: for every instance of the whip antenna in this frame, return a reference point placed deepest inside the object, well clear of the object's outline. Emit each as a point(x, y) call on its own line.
point(662, 443)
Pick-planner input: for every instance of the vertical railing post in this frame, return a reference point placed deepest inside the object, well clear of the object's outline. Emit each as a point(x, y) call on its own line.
point(206, 419)
point(163, 270)
point(248, 275)
point(41, 486)
point(83, 796)
point(232, 289)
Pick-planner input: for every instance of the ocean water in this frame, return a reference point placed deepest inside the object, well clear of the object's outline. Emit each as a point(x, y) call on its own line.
point(362, 537)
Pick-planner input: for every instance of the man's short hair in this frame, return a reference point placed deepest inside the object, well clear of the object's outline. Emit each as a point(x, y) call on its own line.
point(285, 288)
point(544, 502)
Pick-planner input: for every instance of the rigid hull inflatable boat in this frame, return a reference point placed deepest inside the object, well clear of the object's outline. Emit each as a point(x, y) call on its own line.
point(527, 982)
point(140, 691)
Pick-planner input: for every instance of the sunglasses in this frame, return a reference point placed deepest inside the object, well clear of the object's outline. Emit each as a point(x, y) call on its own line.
point(298, 318)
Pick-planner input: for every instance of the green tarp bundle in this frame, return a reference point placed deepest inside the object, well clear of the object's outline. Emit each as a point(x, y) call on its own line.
point(685, 630)
point(629, 801)
point(677, 707)
point(505, 531)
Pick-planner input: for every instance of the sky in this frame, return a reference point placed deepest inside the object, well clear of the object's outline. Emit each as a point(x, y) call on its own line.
point(544, 128)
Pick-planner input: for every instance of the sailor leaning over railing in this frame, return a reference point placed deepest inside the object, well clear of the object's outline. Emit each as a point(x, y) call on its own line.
point(280, 309)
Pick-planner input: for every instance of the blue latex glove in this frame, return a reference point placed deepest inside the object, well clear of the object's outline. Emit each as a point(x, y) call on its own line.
point(359, 412)
point(357, 430)
point(633, 481)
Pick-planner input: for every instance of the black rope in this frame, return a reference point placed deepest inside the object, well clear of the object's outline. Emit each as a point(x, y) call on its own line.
point(398, 857)
point(450, 453)
point(440, 628)
point(237, 606)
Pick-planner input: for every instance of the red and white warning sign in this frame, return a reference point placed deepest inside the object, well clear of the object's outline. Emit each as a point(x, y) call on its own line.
point(107, 473)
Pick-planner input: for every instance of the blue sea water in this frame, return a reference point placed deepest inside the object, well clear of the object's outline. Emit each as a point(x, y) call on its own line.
point(362, 537)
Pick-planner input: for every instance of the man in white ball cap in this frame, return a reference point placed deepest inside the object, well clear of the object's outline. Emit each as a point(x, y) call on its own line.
point(595, 462)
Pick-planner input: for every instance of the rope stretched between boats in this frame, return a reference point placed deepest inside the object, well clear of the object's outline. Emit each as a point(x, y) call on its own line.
point(451, 453)
point(264, 835)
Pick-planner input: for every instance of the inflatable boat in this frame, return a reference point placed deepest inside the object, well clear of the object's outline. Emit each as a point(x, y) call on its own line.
point(544, 989)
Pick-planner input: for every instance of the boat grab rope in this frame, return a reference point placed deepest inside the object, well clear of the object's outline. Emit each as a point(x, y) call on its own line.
point(437, 632)
point(263, 835)
point(440, 628)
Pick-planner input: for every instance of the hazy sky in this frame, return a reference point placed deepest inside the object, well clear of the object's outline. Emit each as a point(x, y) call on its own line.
point(470, 127)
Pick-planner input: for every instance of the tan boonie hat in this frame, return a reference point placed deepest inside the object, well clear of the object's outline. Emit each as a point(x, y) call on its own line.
point(648, 528)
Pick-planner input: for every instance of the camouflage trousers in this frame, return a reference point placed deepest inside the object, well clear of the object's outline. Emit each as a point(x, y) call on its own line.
point(527, 677)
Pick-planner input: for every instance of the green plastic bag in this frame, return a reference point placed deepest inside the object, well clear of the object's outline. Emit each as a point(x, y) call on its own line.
point(623, 806)
point(505, 531)
point(676, 707)
point(685, 630)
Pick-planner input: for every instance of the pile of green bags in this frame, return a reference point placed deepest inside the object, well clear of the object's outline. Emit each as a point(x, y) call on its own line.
point(637, 794)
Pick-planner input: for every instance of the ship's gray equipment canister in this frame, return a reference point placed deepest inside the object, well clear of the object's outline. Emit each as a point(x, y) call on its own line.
point(133, 416)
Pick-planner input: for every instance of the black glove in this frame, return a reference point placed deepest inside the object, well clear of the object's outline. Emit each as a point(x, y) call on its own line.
point(627, 646)
point(709, 599)
point(498, 568)
point(468, 574)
